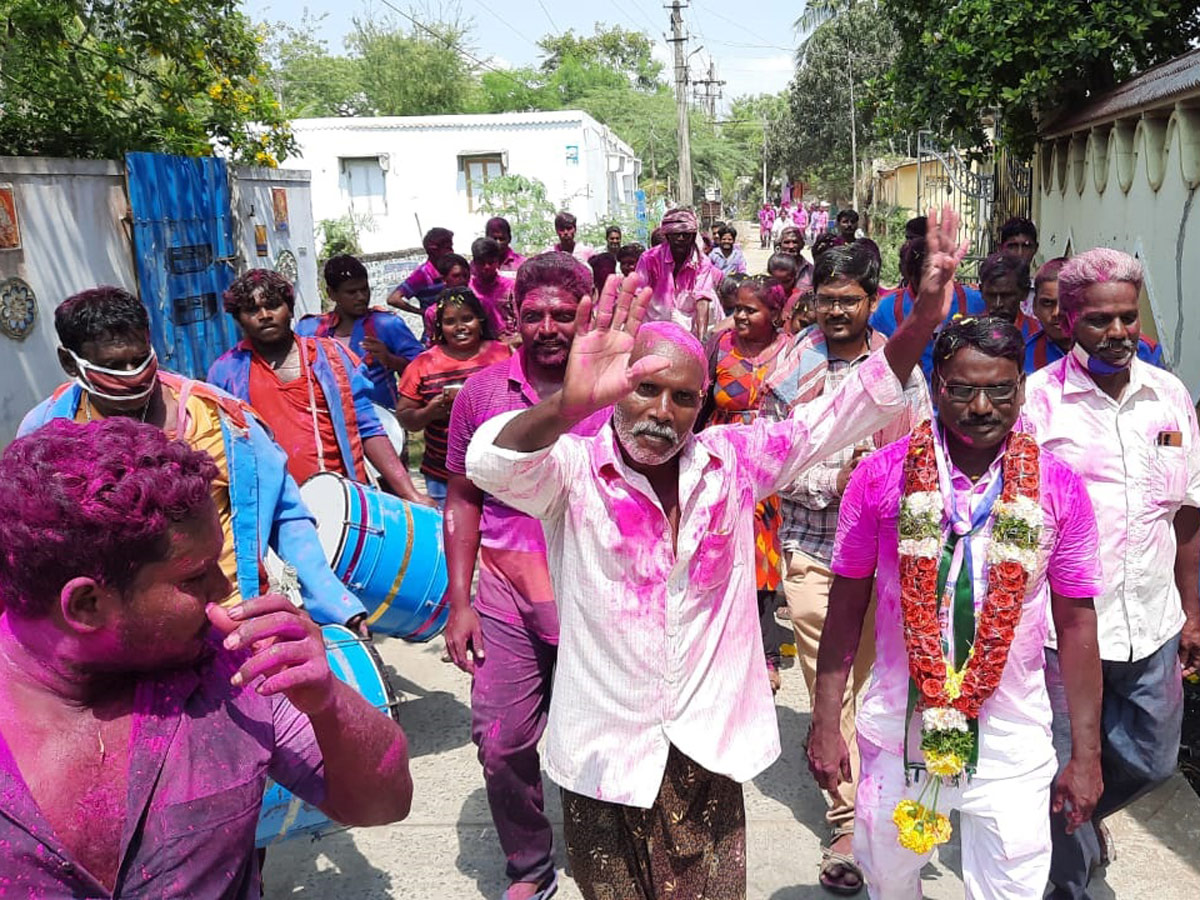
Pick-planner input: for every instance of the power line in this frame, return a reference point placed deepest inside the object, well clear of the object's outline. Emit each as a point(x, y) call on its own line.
point(504, 22)
point(723, 18)
point(549, 18)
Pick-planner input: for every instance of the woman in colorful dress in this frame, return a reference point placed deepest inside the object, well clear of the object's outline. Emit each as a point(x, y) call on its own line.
point(463, 344)
point(741, 362)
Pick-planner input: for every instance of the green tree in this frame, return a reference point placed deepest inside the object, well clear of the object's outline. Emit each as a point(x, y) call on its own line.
point(817, 138)
point(414, 73)
point(963, 60)
point(97, 79)
point(614, 48)
point(523, 202)
point(309, 79)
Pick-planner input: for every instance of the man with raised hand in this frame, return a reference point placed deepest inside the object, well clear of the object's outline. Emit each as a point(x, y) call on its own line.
point(662, 706)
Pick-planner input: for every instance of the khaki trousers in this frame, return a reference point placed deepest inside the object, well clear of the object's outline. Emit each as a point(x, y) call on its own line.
point(807, 589)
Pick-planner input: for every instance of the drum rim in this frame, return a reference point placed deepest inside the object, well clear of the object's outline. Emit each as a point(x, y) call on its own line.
point(332, 554)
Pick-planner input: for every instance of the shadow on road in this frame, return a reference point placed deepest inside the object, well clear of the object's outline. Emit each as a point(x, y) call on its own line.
point(435, 721)
point(292, 871)
point(788, 781)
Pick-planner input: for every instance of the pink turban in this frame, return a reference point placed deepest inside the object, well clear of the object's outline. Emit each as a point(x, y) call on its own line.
point(680, 221)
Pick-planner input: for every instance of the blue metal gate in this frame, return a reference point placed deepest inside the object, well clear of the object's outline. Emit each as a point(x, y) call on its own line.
point(185, 253)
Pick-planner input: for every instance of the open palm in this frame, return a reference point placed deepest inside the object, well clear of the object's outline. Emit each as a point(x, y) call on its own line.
point(943, 253)
point(598, 370)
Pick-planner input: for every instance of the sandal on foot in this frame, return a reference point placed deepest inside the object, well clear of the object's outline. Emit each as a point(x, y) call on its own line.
point(829, 860)
point(545, 891)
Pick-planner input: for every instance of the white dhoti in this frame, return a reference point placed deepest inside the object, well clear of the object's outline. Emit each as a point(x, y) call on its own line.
point(1004, 831)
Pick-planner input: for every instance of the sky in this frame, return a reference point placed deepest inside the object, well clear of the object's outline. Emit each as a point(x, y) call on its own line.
point(751, 46)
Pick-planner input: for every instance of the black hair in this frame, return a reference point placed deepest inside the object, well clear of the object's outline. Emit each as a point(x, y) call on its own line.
point(783, 261)
point(553, 269)
point(916, 227)
point(239, 297)
point(610, 229)
point(990, 335)
point(728, 229)
point(630, 250)
point(851, 261)
point(461, 296)
point(98, 311)
point(564, 220)
point(998, 265)
point(449, 261)
point(436, 236)
point(342, 268)
point(602, 265)
point(1018, 225)
point(498, 222)
point(485, 249)
point(824, 242)
point(848, 214)
point(717, 226)
point(729, 285)
point(797, 230)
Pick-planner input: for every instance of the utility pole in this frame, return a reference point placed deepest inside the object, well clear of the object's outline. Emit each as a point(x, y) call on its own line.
point(712, 90)
point(681, 105)
point(764, 196)
point(853, 138)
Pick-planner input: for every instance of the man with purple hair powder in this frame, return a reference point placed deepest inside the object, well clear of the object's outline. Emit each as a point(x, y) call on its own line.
point(661, 704)
point(1129, 429)
point(139, 719)
point(682, 280)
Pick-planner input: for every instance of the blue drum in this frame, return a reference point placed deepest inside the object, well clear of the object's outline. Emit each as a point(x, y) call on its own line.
point(352, 660)
point(386, 550)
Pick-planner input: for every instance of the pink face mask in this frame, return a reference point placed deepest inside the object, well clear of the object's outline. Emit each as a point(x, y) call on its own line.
point(117, 384)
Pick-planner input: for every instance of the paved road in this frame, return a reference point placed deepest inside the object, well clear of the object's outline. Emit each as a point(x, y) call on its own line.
point(447, 848)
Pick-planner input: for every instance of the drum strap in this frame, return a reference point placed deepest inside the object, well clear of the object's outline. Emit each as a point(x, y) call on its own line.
point(312, 402)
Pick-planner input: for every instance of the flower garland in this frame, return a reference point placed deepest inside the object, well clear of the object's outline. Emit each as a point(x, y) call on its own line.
point(948, 697)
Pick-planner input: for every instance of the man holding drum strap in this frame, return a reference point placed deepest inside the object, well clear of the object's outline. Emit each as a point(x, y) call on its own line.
point(105, 348)
point(139, 720)
point(509, 638)
point(661, 703)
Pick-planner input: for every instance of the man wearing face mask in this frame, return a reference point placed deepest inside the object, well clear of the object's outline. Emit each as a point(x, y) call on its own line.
point(1129, 429)
point(105, 337)
point(661, 703)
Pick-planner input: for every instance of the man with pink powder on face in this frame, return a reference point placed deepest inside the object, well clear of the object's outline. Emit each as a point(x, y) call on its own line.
point(140, 720)
point(509, 638)
point(661, 704)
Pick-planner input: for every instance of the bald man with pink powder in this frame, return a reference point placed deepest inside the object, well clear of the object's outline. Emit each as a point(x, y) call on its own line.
point(661, 706)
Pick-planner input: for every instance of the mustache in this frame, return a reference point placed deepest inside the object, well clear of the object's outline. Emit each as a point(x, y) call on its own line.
point(1123, 346)
point(654, 429)
point(978, 421)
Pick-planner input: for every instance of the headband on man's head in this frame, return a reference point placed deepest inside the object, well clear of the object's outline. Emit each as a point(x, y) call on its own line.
point(680, 221)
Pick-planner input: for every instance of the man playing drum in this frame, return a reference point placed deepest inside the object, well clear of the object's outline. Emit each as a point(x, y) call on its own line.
point(105, 337)
point(312, 391)
point(139, 720)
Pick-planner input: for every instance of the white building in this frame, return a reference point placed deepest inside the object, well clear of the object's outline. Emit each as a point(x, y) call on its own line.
point(411, 173)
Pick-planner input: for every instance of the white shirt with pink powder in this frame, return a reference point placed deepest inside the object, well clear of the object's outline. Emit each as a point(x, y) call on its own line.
point(661, 644)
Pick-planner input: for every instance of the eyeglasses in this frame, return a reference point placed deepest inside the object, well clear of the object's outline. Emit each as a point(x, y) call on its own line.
point(846, 304)
point(996, 393)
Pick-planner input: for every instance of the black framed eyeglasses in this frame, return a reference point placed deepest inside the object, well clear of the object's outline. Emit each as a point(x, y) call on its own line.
point(846, 304)
point(996, 393)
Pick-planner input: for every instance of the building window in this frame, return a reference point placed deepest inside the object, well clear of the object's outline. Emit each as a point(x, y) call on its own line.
point(365, 185)
point(478, 171)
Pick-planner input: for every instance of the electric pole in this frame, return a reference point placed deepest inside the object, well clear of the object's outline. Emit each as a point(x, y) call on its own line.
point(681, 105)
point(712, 90)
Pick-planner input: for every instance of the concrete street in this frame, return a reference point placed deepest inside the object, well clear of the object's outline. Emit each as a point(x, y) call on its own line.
point(447, 848)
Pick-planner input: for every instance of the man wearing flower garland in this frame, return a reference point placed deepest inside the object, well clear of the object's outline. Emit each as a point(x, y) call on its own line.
point(1146, 493)
point(969, 532)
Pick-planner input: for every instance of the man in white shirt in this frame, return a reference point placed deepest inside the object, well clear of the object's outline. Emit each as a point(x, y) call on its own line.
point(661, 704)
point(1129, 429)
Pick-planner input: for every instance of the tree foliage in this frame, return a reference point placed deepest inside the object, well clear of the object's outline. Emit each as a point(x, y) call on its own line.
point(615, 48)
point(814, 137)
point(524, 203)
point(98, 78)
point(963, 60)
point(311, 80)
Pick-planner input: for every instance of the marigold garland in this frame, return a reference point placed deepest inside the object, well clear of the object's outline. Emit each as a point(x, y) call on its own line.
point(948, 697)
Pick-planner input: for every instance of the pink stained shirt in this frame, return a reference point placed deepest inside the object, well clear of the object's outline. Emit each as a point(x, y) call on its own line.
point(200, 753)
point(1015, 720)
point(1136, 486)
point(514, 584)
point(498, 303)
point(512, 261)
point(661, 644)
point(674, 298)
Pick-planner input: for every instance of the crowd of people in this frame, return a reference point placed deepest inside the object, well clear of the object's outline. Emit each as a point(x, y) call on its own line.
point(977, 506)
